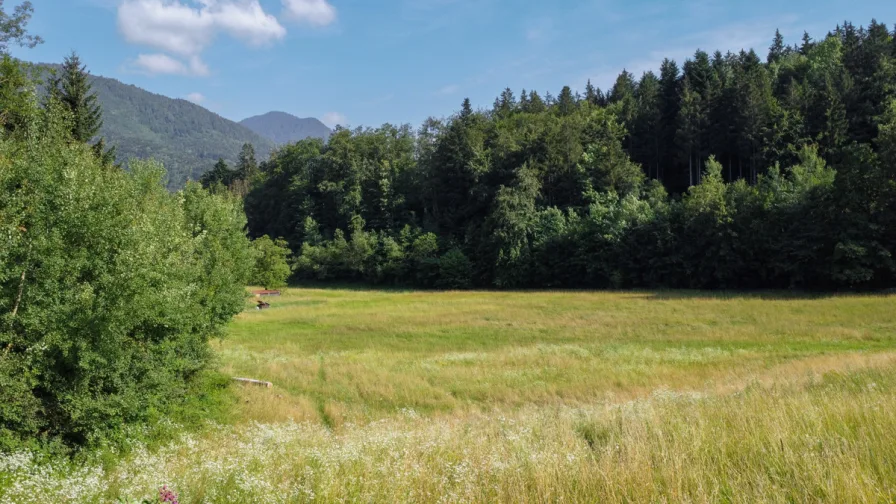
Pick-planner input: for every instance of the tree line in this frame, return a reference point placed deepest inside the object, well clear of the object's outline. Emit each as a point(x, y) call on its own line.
point(725, 172)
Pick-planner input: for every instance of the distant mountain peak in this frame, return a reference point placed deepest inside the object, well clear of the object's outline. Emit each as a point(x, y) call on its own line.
point(185, 137)
point(283, 128)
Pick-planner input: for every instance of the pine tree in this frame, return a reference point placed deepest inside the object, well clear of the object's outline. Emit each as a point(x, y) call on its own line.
point(622, 100)
point(73, 89)
point(777, 49)
point(590, 93)
point(647, 124)
point(807, 44)
point(466, 110)
point(690, 124)
point(669, 105)
point(247, 166)
point(536, 104)
point(566, 103)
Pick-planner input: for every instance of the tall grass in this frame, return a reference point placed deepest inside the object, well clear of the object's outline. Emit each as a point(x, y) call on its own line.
point(408, 397)
point(354, 355)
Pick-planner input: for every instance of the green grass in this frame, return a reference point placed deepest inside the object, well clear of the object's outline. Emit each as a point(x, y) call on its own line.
point(369, 354)
point(391, 396)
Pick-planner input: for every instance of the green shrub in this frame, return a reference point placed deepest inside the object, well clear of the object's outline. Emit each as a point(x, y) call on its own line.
point(110, 286)
point(455, 270)
point(272, 269)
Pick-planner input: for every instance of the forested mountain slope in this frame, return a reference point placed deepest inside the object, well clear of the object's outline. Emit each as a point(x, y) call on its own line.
point(282, 128)
point(187, 138)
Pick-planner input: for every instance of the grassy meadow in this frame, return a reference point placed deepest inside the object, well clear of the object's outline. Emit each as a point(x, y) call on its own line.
point(392, 396)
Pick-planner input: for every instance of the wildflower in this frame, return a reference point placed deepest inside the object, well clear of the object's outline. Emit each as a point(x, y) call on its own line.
point(167, 496)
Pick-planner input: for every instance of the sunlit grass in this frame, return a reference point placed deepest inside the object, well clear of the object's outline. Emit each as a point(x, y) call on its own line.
point(368, 354)
point(530, 397)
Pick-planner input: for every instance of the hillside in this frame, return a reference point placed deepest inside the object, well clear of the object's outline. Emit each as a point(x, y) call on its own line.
point(187, 138)
point(282, 128)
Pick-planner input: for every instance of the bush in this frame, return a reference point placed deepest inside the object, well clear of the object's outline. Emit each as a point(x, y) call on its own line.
point(110, 286)
point(455, 270)
point(272, 269)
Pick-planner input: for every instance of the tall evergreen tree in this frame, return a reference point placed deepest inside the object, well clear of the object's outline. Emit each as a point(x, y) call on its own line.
point(73, 89)
point(669, 106)
point(247, 166)
point(777, 50)
point(566, 103)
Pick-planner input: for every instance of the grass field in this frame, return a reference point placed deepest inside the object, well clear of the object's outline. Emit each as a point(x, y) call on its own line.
point(532, 397)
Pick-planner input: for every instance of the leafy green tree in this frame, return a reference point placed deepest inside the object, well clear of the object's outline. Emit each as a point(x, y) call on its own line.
point(109, 288)
point(13, 28)
point(455, 270)
point(17, 104)
point(272, 269)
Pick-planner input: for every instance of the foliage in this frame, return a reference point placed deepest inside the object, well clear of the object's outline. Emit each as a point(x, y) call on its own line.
point(725, 172)
point(110, 286)
point(184, 137)
point(13, 27)
point(72, 88)
point(272, 269)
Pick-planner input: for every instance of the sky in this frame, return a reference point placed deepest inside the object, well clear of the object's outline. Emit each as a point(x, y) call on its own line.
point(369, 62)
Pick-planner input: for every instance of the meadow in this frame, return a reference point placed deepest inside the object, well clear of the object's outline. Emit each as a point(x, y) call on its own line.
point(407, 396)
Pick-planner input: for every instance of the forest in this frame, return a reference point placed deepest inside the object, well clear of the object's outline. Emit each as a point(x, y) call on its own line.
point(728, 171)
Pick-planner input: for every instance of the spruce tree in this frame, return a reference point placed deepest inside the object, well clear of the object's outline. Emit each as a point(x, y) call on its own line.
point(566, 104)
point(73, 89)
point(777, 49)
point(247, 166)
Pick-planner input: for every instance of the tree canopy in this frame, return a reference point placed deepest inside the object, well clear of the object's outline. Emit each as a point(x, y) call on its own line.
point(726, 171)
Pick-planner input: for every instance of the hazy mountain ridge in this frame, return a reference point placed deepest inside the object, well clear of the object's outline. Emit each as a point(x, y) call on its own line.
point(185, 137)
point(282, 128)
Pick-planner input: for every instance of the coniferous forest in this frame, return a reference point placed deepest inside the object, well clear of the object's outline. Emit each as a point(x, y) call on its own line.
point(724, 171)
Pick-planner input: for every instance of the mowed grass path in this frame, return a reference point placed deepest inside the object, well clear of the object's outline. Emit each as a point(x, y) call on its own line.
point(360, 355)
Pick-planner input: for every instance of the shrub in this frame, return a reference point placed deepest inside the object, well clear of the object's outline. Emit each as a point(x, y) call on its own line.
point(455, 270)
point(110, 286)
point(272, 267)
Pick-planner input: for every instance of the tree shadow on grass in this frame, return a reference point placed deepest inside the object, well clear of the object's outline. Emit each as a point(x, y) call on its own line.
point(650, 294)
point(768, 295)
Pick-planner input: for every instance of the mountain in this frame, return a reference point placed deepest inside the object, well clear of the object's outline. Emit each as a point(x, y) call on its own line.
point(282, 128)
point(186, 138)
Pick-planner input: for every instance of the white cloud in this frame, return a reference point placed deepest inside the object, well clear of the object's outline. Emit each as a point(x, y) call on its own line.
point(315, 12)
point(196, 98)
point(162, 64)
point(187, 29)
point(333, 119)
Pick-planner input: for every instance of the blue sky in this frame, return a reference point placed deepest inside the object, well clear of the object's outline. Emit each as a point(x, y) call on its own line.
point(365, 62)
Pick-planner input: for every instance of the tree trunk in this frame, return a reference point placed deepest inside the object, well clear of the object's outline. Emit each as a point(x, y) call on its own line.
point(690, 171)
point(15, 308)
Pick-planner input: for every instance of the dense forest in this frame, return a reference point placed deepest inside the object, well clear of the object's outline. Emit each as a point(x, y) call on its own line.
point(728, 171)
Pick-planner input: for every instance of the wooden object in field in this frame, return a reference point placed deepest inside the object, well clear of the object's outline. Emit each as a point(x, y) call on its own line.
point(263, 306)
point(266, 293)
point(250, 381)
